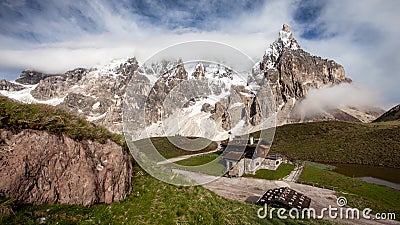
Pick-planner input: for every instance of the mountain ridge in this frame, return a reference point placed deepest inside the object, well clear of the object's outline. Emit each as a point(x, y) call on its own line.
point(97, 94)
point(392, 114)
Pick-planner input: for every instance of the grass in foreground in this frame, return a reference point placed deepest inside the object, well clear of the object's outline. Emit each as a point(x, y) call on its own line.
point(152, 202)
point(282, 171)
point(375, 144)
point(359, 194)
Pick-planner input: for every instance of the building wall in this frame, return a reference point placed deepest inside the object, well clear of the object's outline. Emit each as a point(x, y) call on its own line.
point(271, 164)
point(252, 165)
point(239, 167)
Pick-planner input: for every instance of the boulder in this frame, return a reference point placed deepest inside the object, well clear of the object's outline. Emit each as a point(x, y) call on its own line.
point(41, 168)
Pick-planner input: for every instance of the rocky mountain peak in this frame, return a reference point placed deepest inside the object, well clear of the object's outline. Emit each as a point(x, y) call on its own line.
point(199, 71)
point(287, 39)
point(276, 49)
point(286, 28)
point(30, 77)
point(292, 72)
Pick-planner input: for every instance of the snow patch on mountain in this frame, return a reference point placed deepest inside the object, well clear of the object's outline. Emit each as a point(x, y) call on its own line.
point(25, 96)
point(94, 118)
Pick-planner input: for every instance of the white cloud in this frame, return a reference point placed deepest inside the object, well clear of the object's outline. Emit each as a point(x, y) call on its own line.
point(339, 96)
point(366, 43)
point(251, 33)
point(57, 58)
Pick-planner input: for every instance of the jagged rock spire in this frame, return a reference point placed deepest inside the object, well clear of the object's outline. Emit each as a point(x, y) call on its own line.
point(287, 39)
point(275, 50)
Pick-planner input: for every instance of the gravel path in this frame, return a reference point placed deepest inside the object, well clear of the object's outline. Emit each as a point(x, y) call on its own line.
point(294, 175)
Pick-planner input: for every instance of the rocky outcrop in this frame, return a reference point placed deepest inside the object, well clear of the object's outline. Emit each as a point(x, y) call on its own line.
point(30, 77)
point(95, 94)
point(38, 168)
point(297, 72)
point(8, 86)
point(86, 105)
point(221, 115)
point(206, 107)
point(171, 77)
point(57, 86)
point(292, 71)
point(199, 71)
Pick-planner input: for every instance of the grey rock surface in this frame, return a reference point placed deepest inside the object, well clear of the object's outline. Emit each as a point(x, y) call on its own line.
point(39, 168)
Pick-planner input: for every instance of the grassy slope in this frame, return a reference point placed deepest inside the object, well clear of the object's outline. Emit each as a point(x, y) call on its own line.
point(17, 116)
point(391, 115)
point(282, 171)
point(333, 141)
point(211, 167)
point(169, 150)
point(152, 202)
point(360, 194)
point(200, 159)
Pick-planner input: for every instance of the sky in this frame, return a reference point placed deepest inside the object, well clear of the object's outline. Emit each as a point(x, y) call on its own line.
point(56, 36)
